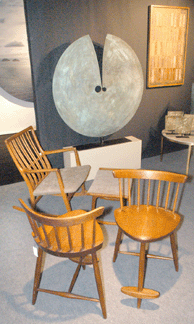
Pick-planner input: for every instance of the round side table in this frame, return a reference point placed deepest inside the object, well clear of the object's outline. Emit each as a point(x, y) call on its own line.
point(184, 140)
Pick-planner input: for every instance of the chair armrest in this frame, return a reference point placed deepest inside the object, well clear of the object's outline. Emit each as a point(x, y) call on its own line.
point(108, 169)
point(66, 149)
point(40, 171)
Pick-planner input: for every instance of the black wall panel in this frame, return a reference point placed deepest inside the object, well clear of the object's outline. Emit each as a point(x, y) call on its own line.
point(53, 25)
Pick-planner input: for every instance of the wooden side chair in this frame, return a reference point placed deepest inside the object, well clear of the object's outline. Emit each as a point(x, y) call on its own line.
point(35, 168)
point(75, 235)
point(149, 216)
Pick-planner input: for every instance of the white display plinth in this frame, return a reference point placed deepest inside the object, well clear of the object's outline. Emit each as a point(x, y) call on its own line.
point(125, 155)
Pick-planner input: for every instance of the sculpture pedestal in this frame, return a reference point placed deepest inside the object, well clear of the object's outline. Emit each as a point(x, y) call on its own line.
point(124, 154)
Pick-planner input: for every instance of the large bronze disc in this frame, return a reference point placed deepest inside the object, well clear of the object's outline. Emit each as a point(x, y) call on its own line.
point(89, 105)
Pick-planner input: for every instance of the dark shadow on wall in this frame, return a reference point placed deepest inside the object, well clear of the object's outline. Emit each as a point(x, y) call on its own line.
point(8, 171)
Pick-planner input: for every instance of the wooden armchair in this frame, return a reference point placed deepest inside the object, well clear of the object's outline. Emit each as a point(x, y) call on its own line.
point(75, 235)
point(35, 168)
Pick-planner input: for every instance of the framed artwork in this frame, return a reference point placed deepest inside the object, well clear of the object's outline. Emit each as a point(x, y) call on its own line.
point(179, 124)
point(167, 44)
point(16, 92)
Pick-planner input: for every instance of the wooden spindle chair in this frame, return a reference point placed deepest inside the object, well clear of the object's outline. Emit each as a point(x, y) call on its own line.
point(150, 216)
point(75, 235)
point(36, 170)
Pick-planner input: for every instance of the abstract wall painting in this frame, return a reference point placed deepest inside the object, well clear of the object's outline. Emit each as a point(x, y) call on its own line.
point(16, 95)
point(167, 44)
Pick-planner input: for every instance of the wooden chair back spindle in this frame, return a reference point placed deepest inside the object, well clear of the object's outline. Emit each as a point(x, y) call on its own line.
point(28, 155)
point(176, 197)
point(48, 232)
point(152, 186)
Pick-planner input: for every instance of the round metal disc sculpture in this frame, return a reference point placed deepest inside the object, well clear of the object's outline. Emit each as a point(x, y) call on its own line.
point(88, 105)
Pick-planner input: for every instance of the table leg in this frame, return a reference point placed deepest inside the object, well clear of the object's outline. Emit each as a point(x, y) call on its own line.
point(161, 148)
point(188, 158)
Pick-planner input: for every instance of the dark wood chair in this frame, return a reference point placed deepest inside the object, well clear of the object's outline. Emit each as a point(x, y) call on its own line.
point(149, 216)
point(35, 168)
point(75, 235)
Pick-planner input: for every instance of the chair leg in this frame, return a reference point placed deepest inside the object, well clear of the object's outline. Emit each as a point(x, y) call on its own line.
point(99, 284)
point(34, 200)
point(146, 253)
point(140, 292)
point(75, 276)
point(94, 199)
point(66, 202)
point(117, 244)
point(83, 189)
point(174, 250)
point(142, 267)
point(38, 273)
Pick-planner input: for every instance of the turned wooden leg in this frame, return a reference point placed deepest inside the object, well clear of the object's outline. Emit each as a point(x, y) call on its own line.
point(140, 292)
point(141, 271)
point(38, 273)
point(66, 200)
point(174, 250)
point(94, 198)
point(99, 284)
point(117, 244)
point(83, 189)
point(75, 276)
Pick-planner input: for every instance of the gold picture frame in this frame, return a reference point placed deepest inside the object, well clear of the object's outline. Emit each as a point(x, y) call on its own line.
point(167, 44)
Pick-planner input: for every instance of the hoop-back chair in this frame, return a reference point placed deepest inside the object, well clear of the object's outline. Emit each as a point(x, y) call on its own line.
point(75, 235)
point(35, 168)
point(149, 216)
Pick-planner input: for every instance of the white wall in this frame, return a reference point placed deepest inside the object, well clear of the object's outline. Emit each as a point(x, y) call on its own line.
point(15, 114)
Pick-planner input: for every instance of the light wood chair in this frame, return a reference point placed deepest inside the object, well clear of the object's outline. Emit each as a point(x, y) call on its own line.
point(35, 168)
point(149, 216)
point(75, 235)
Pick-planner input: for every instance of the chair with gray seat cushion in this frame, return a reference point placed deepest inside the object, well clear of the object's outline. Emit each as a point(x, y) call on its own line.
point(105, 186)
point(35, 168)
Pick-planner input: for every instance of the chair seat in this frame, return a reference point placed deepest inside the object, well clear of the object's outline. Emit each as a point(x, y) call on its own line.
point(146, 223)
point(72, 177)
point(105, 184)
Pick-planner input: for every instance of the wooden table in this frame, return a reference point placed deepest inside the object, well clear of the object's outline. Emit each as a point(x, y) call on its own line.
point(184, 140)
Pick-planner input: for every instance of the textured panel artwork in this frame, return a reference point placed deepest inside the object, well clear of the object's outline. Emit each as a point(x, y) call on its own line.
point(168, 28)
point(90, 105)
